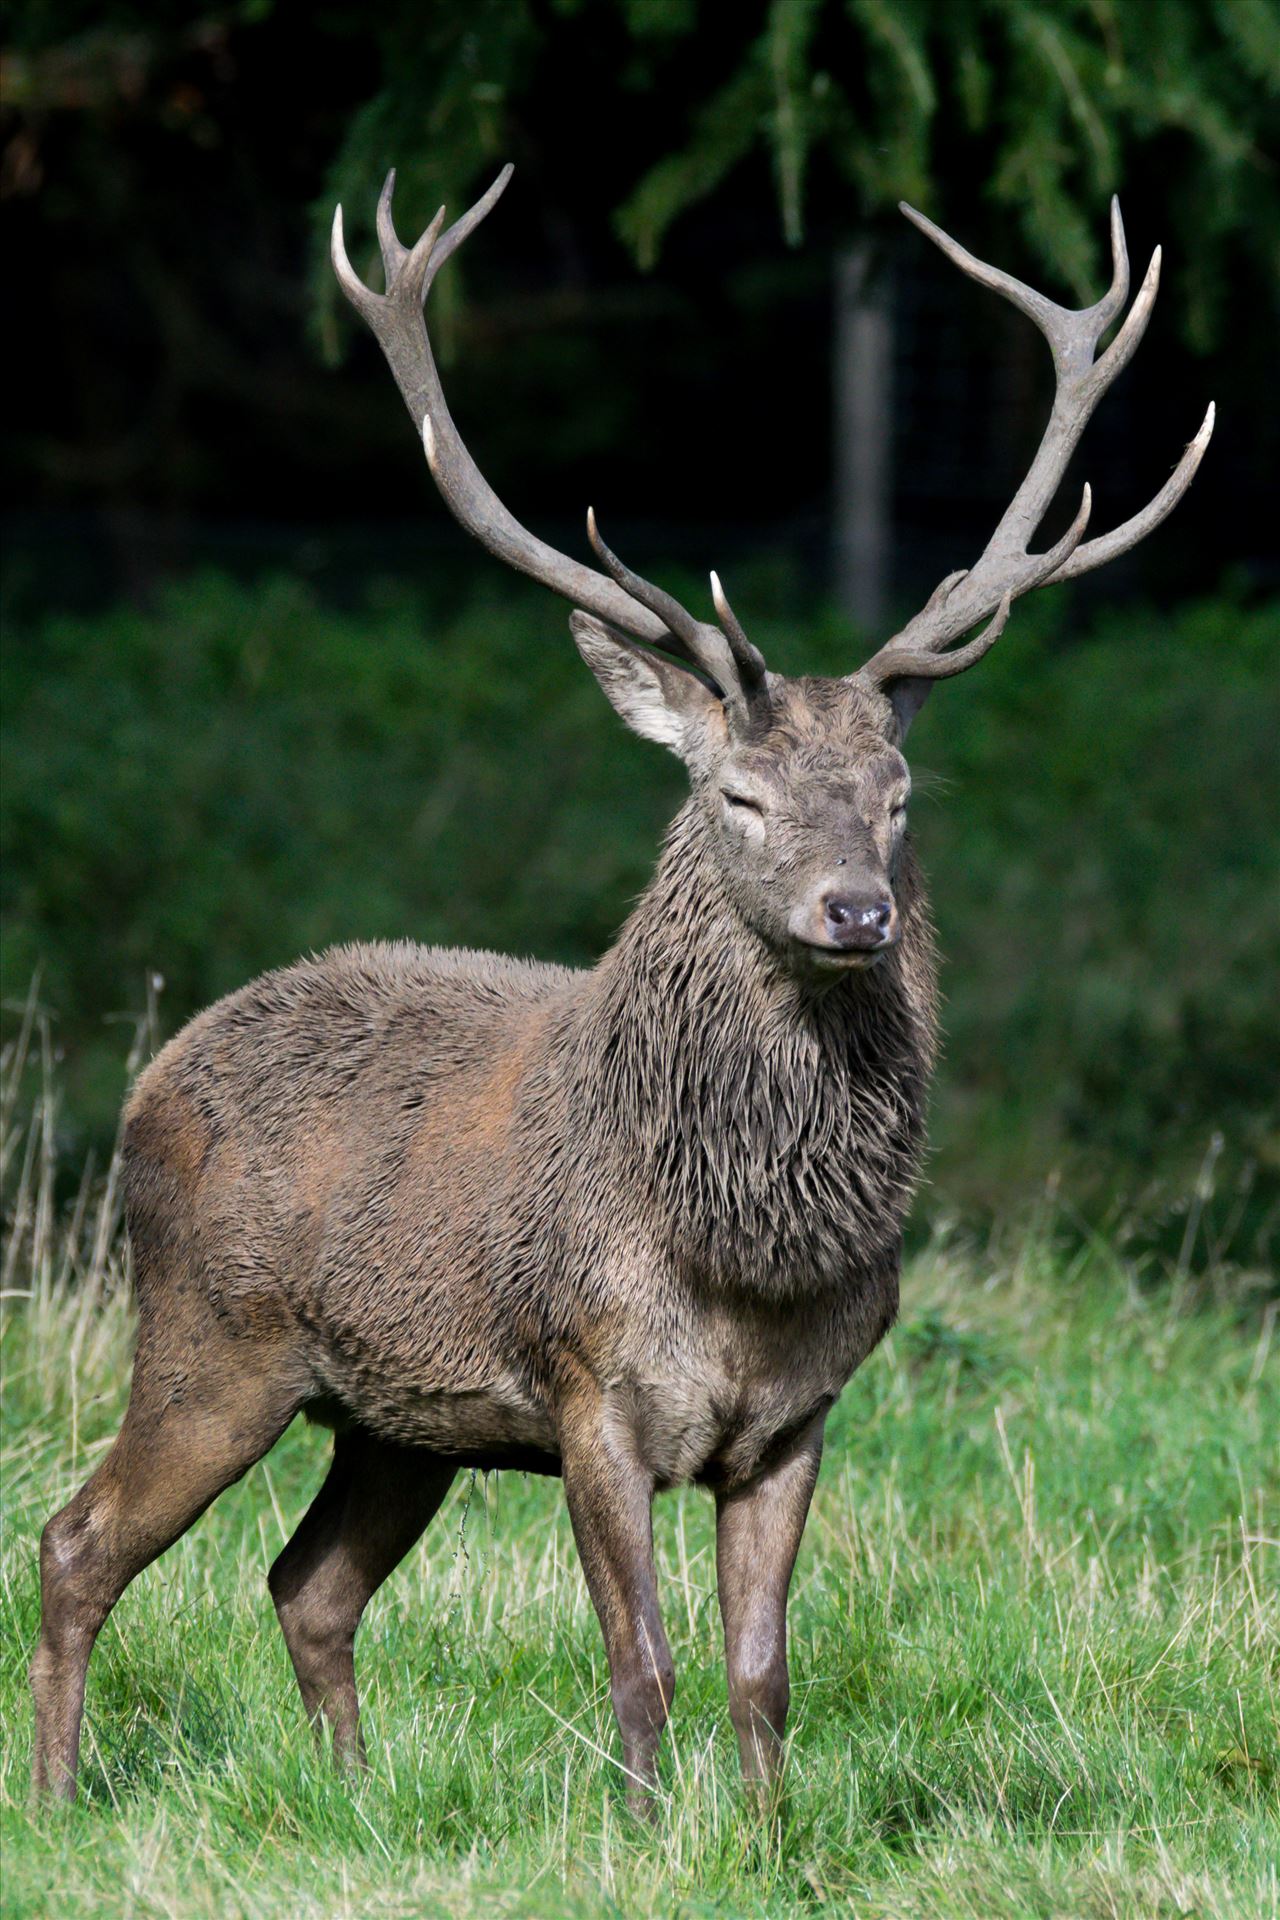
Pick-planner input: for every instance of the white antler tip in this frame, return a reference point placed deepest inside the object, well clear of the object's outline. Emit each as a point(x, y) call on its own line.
point(338, 252)
point(1119, 250)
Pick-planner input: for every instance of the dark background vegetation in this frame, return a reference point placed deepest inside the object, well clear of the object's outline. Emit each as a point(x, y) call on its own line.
point(260, 694)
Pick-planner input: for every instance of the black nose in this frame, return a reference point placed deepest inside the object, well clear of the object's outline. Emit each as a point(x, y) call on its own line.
point(857, 920)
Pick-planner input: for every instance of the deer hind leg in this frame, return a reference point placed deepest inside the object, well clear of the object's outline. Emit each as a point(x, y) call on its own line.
point(184, 1439)
point(375, 1503)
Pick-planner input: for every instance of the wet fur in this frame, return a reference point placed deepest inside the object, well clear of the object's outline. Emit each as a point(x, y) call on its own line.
point(447, 1178)
point(636, 1225)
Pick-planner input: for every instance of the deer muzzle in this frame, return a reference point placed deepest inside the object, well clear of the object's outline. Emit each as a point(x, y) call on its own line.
point(846, 925)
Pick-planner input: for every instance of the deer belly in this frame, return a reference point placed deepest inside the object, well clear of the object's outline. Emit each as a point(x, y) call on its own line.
point(479, 1423)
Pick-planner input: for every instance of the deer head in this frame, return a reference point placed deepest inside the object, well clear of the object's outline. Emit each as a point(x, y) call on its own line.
point(801, 782)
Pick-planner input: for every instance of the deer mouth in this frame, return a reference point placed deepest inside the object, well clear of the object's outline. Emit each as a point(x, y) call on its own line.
point(840, 959)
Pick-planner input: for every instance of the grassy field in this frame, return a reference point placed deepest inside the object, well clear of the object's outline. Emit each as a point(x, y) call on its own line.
point(1035, 1635)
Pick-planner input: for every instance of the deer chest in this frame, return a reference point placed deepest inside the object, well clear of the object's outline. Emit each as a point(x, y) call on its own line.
point(726, 1392)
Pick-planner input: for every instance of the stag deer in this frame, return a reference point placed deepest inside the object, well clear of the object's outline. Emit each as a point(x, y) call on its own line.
point(635, 1226)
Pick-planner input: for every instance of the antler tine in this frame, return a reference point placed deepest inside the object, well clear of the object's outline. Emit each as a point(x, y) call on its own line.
point(1043, 566)
point(748, 657)
point(1006, 568)
point(1025, 298)
point(394, 254)
point(680, 622)
point(698, 642)
point(467, 222)
point(396, 319)
point(1072, 332)
point(908, 663)
point(360, 296)
point(1123, 347)
point(1112, 301)
point(1108, 546)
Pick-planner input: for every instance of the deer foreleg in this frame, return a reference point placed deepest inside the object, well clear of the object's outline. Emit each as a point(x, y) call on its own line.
point(758, 1531)
point(610, 1496)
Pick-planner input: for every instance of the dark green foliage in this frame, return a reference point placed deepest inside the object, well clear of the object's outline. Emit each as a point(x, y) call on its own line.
point(169, 180)
point(246, 774)
point(1047, 109)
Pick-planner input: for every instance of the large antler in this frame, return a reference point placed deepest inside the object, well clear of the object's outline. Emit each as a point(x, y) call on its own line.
point(623, 598)
point(1007, 569)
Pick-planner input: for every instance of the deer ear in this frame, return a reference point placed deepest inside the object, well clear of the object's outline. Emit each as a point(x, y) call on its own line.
point(656, 698)
point(906, 697)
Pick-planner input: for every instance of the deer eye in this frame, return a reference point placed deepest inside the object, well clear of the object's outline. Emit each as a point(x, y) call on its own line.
point(742, 801)
point(898, 814)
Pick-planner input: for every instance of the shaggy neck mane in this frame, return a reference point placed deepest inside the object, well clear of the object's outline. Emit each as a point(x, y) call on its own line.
point(779, 1124)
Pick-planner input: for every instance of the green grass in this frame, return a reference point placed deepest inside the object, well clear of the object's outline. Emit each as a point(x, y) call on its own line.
point(1035, 1641)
